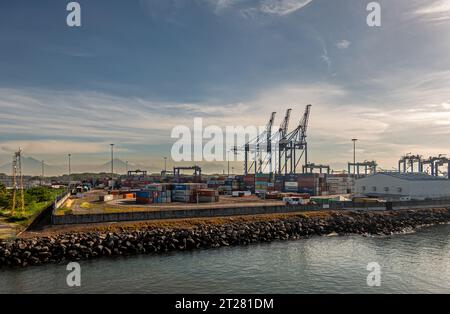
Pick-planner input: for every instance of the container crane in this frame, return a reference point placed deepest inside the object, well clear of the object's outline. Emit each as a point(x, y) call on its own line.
point(295, 141)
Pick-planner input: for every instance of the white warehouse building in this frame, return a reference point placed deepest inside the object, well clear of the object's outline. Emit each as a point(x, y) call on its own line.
point(403, 186)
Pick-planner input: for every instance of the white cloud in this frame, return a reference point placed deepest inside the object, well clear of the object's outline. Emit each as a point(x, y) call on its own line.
point(283, 7)
point(343, 44)
point(54, 147)
point(325, 57)
point(251, 9)
point(435, 7)
point(410, 114)
point(436, 11)
point(220, 5)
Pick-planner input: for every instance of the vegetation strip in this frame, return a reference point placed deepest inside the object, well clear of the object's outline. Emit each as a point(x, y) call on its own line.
point(36, 199)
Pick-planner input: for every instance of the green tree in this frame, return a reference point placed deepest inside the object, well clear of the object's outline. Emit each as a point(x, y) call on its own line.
point(38, 195)
point(4, 196)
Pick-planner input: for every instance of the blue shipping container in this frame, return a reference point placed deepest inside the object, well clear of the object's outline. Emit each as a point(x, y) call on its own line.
point(307, 190)
point(143, 194)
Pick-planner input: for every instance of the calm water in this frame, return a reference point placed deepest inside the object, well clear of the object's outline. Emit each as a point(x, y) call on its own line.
point(418, 262)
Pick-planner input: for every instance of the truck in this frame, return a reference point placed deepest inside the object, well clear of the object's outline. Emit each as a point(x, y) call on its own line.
point(295, 200)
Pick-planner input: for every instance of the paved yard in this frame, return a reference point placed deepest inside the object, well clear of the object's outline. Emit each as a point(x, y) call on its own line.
point(7, 230)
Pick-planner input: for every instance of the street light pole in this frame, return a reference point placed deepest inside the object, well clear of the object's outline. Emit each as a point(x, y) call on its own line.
point(42, 175)
point(112, 166)
point(354, 155)
point(228, 158)
point(165, 165)
point(70, 179)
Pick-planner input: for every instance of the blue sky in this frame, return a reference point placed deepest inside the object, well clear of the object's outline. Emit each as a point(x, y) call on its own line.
point(136, 69)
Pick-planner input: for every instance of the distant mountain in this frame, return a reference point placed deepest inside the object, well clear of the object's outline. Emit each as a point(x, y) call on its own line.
point(33, 167)
point(120, 166)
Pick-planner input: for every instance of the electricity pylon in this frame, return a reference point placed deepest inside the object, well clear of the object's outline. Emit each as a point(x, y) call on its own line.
point(17, 182)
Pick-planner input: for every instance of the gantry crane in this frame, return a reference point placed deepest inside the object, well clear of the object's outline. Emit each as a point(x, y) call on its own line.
point(258, 147)
point(265, 140)
point(282, 140)
point(289, 148)
point(197, 173)
point(408, 161)
point(295, 147)
point(370, 167)
point(436, 162)
point(407, 164)
point(309, 168)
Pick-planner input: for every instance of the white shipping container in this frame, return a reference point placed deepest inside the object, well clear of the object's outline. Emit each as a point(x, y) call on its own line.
point(291, 184)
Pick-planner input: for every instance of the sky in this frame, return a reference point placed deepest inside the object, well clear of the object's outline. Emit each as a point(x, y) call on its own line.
point(136, 69)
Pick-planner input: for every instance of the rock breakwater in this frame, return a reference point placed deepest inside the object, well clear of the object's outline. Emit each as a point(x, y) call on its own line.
point(75, 246)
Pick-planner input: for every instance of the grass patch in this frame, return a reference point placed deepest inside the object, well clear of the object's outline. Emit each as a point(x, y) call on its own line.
point(32, 208)
point(63, 211)
point(31, 211)
point(85, 205)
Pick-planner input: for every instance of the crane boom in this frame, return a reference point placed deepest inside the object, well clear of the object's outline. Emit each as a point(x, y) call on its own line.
point(285, 124)
point(305, 120)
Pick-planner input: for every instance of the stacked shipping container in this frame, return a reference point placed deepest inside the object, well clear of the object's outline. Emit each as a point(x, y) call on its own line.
point(340, 184)
point(207, 196)
point(154, 193)
point(307, 183)
point(262, 182)
point(186, 192)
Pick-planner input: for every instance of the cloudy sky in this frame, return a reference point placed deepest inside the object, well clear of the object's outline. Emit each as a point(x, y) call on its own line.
point(136, 69)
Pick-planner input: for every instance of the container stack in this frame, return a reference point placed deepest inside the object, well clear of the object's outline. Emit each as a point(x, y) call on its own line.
point(154, 194)
point(186, 192)
point(144, 197)
point(262, 182)
point(249, 182)
point(235, 186)
point(308, 183)
point(207, 195)
point(225, 190)
point(291, 186)
point(227, 187)
point(339, 184)
point(323, 186)
point(240, 183)
point(215, 183)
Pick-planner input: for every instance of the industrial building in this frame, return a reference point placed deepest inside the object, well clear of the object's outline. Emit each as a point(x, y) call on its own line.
point(403, 186)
